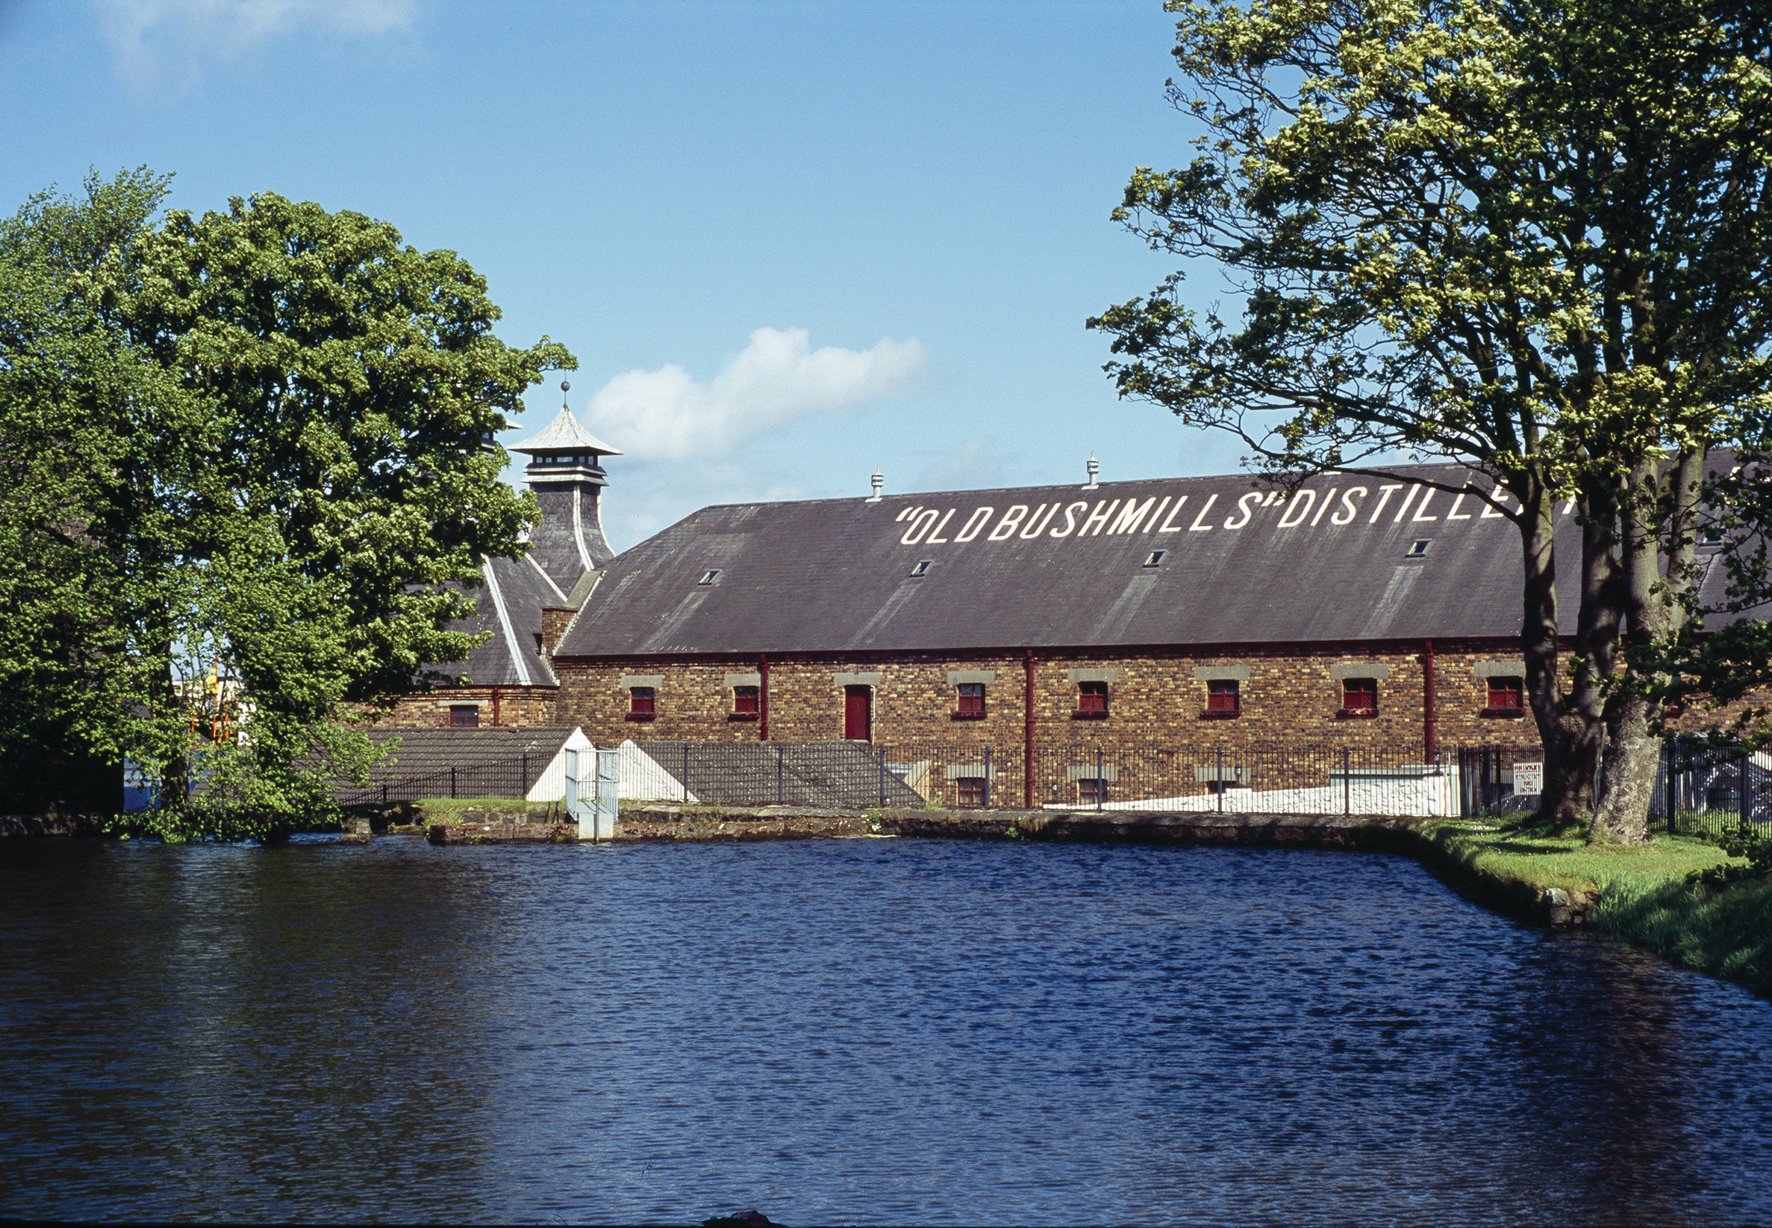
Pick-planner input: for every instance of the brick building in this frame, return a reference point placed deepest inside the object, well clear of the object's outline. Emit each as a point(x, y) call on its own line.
point(1035, 629)
point(509, 680)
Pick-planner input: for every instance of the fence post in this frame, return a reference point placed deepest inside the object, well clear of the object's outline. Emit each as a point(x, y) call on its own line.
point(882, 754)
point(778, 793)
point(1746, 794)
point(987, 778)
point(1347, 784)
point(384, 795)
point(523, 781)
point(1221, 780)
point(683, 780)
point(1667, 779)
point(1099, 790)
point(452, 781)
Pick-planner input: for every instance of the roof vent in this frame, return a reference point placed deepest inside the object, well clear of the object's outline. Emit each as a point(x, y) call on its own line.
point(1154, 558)
point(879, 483)
point(1093, 468)
point(1418, 547)
point(922, 567)
point(709, 576)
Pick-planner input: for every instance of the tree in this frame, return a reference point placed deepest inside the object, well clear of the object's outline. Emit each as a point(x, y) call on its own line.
point(1531, 237)
point(291, 493)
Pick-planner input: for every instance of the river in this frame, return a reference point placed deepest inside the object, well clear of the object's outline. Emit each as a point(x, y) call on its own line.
point(845, 1031)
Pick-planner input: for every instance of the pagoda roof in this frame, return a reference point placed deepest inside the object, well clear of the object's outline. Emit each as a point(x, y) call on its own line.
point(565, 434)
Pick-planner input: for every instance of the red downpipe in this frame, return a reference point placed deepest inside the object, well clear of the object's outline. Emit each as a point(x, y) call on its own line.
point(1027, 733)
point(495, 706)
point(1428, 697)
point(762, 697)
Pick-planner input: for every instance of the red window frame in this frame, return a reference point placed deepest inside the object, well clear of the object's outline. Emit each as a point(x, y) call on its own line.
point(464, 716)
point(746, 702)
point(1092, 790)
point(969, 701)
point(642, 703)
point(1092, 700)
point(971, 792)
point(1507, 695)
point(1224, 698)
point(1359, 697)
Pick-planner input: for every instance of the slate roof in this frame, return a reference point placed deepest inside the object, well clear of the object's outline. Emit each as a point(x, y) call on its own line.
point(1064, 566)
point(487, 762)
point(508, 603)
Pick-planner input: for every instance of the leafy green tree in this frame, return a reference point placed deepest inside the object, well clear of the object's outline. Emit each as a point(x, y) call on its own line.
point(1531, 237)
point(290, 493)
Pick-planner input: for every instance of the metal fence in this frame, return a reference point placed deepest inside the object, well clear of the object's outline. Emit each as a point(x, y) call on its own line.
point(504, 778)
point(1275, 779)
point(1706, 787)
point(1700, 786)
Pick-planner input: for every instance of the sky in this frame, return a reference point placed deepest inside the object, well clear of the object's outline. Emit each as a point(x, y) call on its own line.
point(789, 243)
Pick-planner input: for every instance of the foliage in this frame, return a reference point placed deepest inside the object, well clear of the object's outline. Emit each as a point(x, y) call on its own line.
point(1752, 846)
point(1722, 929)
point(274, 466)
point(1525, 235)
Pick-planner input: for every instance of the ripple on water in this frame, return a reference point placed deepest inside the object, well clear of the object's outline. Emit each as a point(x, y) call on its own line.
point(845, 1031)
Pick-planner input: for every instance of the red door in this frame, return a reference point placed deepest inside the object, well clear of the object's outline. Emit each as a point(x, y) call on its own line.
point(858, 713)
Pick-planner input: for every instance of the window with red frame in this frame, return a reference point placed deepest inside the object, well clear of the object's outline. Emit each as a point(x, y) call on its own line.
point(969, 701)
point(1359, 697)
point(1507, 696)
point(746, 702)
point(641, 703)
point(1092, 791)
point(1224, 697)
point(464, 716)
point(1092, 699)
point(971, 792)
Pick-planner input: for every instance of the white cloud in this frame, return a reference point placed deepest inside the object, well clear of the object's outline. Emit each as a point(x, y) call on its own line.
point(158, 39)
point(666, 414)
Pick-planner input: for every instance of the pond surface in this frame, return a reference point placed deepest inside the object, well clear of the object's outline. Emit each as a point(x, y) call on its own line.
point(845, 1031)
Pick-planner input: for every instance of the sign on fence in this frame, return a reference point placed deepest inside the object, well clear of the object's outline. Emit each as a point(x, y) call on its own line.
point(1528, 777)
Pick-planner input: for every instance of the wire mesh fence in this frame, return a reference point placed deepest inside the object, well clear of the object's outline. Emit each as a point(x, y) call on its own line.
point(502, 778)
point(1706, 787)
point(1701, 786)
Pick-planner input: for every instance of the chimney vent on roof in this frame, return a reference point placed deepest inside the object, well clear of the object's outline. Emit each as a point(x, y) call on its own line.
point(879, 484)
point(1094, 468)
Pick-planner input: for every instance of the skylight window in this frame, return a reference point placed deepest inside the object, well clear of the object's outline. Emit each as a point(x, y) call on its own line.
point(1154, 558)
point(1418, 548)
point(709, 576)
point(922, 567)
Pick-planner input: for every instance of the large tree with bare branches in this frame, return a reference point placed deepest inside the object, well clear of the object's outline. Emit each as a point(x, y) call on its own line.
point(1526, 235)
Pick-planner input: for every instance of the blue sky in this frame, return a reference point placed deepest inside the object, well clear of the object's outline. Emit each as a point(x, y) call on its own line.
point(788, 242)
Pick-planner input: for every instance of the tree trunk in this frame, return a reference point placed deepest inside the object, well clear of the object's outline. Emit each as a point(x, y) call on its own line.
point(1627, 774)
point(1569, 726)
point(1657, 522)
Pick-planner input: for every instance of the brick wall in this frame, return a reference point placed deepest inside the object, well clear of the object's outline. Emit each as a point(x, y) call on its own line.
point(1156, 707)
point(514, 706)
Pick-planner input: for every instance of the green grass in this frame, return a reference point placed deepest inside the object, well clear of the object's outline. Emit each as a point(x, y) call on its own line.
point(1645, 896)
point(1542, 859)
point(448, 809)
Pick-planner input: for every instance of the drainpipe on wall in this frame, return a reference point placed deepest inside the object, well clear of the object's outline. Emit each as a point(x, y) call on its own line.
point(495, 706)
point(762, 697)
point(1427, 694)
point(1027, 732)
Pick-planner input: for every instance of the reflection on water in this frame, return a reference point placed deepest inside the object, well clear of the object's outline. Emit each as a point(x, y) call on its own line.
point(844, 1031)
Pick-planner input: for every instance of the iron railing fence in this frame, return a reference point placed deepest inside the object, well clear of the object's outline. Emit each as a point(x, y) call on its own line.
point(1708, 787)
point(1271, 779)
point(1701, 786)
point(503, 778)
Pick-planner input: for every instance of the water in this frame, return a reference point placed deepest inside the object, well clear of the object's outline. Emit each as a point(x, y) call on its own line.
point(845, 1031)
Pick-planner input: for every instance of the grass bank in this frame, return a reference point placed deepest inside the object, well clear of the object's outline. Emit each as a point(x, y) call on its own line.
point(1644, 896)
